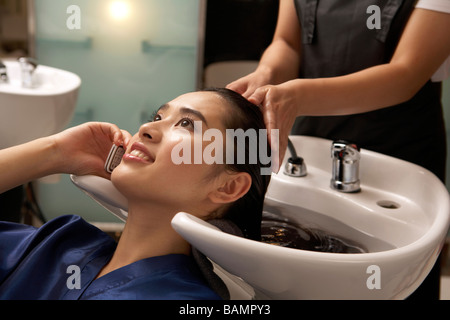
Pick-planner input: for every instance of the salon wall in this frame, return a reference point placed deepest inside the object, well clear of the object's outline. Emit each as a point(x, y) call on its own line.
point(13, 28)
point(129, 66)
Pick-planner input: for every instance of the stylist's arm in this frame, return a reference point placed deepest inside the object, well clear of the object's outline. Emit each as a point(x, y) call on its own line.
point(367, 90)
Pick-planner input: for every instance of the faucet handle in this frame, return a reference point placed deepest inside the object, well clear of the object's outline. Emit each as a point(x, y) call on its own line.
point(345, 170)
point(29, 63)
point(343, 149)
point(27, 66)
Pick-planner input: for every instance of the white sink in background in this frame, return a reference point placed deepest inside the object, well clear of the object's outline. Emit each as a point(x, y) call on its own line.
point(44, 109)
point(401, 215)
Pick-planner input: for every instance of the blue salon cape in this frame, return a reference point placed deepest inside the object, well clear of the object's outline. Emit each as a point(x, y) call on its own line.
point(61, 259)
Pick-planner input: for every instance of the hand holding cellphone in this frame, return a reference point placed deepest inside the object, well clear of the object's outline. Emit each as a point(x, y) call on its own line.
point(114, 158)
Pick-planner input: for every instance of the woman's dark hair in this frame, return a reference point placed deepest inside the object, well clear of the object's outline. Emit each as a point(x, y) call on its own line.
point(246, 212)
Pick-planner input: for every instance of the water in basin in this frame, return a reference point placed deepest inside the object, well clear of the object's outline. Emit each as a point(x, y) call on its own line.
point(289, 226)
point(293, 235)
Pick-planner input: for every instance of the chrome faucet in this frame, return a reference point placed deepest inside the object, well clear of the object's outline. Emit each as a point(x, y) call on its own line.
point(3, 73)
point(28, 66)
point(295, 165)
point(345, 171)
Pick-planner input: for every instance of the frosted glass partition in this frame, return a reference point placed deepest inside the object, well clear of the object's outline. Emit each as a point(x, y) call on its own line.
point(132, 56)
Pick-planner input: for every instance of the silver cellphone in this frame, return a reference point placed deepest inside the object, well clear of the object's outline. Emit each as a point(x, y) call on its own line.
point(114, 158)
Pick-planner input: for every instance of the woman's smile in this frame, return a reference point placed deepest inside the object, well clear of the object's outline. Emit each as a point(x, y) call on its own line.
point(139, 153)
point(149, 159)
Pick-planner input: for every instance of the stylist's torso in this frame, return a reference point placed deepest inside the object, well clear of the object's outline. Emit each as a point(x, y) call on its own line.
point(338, 40)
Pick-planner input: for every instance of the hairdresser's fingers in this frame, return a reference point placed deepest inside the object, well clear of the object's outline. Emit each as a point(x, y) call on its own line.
point(270, 119)
point(238, 86)
point(279, 113)
point(259, 96)
point(246, 86)
point(283, 146)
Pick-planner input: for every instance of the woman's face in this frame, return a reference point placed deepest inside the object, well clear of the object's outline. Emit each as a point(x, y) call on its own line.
point(148, 173)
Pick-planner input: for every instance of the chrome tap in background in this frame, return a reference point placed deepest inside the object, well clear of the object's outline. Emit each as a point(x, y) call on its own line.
point(28, 66)
point(3, 73)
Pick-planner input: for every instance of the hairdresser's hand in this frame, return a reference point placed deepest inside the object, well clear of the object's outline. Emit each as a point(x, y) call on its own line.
point(83, 150)
point(247, 85)
point(279, 108)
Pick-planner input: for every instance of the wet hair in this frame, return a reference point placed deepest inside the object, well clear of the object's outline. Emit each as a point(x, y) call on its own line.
point(246, 212)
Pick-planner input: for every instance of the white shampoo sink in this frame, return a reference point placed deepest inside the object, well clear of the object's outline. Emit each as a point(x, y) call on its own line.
point(401, 217)
point(39, 111)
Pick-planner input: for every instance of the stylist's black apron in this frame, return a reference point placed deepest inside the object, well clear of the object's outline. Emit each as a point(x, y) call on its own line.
point(336, 41)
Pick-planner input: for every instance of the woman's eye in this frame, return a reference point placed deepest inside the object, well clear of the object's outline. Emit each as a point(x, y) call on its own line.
point(157, 118)
point(186, 123)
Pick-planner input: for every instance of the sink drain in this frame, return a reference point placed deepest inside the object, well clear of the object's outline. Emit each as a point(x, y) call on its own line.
point(387, 204)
